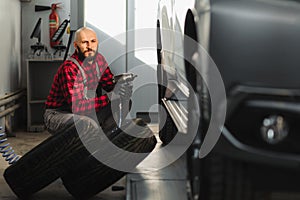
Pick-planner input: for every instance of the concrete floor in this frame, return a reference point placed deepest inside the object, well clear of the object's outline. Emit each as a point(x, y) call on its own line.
point(25, 141)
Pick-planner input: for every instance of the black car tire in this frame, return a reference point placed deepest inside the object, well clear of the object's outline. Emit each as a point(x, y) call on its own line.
point(168, 130)
point(92, 176)
point(47, 161)
point(40, 166)
point(224, 178)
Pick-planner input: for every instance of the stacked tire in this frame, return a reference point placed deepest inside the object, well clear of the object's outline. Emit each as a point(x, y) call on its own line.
point(64, 155)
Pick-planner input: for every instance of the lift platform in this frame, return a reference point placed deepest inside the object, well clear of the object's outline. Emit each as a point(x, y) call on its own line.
point(169, 183)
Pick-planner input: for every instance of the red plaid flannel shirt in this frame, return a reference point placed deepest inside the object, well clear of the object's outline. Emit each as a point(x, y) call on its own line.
point(66, 92)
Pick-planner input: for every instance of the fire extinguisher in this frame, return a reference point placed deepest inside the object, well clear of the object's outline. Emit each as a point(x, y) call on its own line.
point(53, 23)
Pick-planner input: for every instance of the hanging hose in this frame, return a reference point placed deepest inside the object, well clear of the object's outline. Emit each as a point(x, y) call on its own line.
point(6, 150)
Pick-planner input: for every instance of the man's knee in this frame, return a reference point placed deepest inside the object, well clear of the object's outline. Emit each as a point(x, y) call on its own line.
point(87, 122)
point(56, 122)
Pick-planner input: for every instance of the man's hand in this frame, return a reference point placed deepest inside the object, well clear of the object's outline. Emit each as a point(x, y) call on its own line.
point(125, 90)
point(112, 96)
point(124, 85)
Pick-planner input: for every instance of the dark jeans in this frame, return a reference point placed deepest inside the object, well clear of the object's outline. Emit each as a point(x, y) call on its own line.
point(56, 120)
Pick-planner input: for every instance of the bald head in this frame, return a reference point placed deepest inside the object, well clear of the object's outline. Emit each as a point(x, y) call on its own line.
point(83, 30)
point(86, 42)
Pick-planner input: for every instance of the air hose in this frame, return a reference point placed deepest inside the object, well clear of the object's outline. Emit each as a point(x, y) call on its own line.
point(6, 150)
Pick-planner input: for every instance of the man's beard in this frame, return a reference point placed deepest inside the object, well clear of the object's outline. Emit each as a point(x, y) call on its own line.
point(82, 57)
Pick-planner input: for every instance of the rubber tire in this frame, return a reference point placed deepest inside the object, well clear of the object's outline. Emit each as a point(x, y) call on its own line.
point(223, 178)
point(168, 130)
point(47, 161)
point(92, 177)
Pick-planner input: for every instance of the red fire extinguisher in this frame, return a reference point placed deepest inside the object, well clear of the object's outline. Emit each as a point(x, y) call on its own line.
point(53, 23)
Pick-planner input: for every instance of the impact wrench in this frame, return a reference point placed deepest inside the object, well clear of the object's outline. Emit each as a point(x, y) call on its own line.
point(123, 78)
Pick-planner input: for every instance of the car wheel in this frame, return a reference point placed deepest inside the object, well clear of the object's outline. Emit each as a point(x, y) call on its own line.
point(223, 178)
point(48, 161)
point(42, 165)
point(167, 130)
point(92, 176)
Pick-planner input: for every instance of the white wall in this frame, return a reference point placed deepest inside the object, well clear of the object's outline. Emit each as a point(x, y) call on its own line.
point(111, 26)
point(10, 56)
point(142, 17)
point(10, 20)
point(29, 19)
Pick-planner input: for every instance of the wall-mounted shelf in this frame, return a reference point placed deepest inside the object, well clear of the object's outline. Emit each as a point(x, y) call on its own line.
point(40, 74)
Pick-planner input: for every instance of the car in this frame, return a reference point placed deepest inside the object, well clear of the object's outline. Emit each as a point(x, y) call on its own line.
point(255, 45)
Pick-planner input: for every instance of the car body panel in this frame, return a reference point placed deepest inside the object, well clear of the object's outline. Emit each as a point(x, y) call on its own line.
point(253, 43)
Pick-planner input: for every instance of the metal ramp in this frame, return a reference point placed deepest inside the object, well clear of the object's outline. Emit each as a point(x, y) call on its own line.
point(169, 183)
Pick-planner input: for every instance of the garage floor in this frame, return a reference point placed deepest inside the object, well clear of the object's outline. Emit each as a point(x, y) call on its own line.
point(24, 142)
point(139, 186)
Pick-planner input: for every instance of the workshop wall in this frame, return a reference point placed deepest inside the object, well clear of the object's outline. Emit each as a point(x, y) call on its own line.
point(30, 18)
point(120, 49)
point(10, 56)
point(143, 98)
